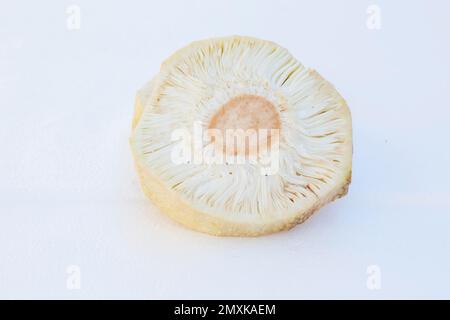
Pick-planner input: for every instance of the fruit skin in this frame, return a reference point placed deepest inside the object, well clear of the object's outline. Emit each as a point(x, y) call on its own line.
point(168, 202)
point(174, 206)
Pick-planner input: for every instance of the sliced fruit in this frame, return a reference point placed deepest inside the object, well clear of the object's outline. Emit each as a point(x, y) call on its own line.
point(275, 141)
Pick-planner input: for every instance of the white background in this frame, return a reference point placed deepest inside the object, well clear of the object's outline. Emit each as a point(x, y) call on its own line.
point(69, 194)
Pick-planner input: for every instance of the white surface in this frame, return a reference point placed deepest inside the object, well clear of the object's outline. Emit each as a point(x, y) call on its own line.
point(69, 194)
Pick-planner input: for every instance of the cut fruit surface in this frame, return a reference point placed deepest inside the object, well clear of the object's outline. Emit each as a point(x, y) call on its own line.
point(235, 137)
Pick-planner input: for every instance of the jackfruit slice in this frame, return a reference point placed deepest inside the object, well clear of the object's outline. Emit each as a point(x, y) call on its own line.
point(243, 83)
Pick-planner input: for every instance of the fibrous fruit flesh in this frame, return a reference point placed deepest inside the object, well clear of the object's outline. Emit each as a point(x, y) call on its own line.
point(275, 141)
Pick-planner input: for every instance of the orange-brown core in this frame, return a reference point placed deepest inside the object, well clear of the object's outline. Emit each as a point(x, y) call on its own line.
point(246, 112)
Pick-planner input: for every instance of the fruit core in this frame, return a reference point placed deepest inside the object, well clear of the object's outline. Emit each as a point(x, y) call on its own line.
point(251, 115)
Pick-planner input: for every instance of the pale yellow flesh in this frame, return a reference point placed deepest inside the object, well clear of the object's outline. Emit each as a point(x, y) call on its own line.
point(168, 201)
